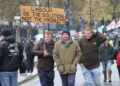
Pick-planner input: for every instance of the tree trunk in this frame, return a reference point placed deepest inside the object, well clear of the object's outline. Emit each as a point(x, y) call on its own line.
point(29, 30)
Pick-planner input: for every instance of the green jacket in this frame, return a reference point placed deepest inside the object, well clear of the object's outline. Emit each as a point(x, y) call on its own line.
point(66, 57)
point(89, 48)
point(28, 48)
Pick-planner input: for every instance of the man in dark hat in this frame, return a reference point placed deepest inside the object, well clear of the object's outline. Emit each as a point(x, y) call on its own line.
point(10, 58)
point(67, 54)
point(4, 34)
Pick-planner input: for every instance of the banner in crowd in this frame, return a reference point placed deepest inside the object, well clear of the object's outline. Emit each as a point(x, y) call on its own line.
point(113, 25)
point(42, 15)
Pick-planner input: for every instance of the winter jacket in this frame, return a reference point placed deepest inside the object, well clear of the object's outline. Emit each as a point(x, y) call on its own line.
point(89, 48)
point(44, 63)
point(11, 54)
point(116, 55)
point(105, 52)
point(28, 48)
point(66, 57)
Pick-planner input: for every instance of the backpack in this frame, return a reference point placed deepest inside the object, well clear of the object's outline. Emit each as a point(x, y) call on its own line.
point(118, 58)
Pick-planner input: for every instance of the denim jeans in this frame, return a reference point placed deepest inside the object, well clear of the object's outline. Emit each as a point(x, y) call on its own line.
point(68, 79)
point(92, 76)
point(106, 65)
point(46, 77)
point(8, 78)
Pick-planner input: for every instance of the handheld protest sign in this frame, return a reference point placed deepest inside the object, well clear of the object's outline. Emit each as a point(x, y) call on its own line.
point(42, 15)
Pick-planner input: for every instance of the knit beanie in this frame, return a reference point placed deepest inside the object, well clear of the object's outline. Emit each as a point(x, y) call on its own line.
point(66, 30)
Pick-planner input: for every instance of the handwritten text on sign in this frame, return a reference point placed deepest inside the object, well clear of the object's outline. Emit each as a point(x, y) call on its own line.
point(42, 15)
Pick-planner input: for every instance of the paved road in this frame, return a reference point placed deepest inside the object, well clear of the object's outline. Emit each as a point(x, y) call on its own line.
point(79, 79)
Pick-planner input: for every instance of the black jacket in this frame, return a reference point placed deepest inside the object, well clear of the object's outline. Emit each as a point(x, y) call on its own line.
point(28, 48)
point(105, 52)
point(89, 48)
point(11, 54)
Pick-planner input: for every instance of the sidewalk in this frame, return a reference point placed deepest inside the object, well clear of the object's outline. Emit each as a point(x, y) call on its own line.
point(22, 78)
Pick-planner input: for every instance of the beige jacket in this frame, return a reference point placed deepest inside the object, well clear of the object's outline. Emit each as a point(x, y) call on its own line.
point(66, 58)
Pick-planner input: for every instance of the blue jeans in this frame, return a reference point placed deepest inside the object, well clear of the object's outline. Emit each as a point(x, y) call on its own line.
point(92, 76)
point(46, 77)
point(68, 79)
point(106, 65)
point(8, 78)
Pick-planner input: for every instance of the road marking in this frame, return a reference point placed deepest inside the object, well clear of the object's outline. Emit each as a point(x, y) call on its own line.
point(31, 82)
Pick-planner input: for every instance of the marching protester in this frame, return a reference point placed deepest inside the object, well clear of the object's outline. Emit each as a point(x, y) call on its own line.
point(45, 63)
point(106, 58)
point(67, 54)
point(116, 56)
point(89, 62)
point(11, 55)
point(30, 57)
point(1, 38)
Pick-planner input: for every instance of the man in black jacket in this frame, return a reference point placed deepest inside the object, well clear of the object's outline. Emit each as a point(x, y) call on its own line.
point(10, 59)
point(89, 61)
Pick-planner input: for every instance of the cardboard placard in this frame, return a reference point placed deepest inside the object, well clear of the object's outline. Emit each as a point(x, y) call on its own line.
point(42, 15)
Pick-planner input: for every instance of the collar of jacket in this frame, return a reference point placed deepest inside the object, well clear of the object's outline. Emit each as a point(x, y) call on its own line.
point(67, 43)
point(49, 43)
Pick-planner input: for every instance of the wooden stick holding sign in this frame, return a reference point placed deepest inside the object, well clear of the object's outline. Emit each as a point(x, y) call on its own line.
point(44, 47)
point(42, 15)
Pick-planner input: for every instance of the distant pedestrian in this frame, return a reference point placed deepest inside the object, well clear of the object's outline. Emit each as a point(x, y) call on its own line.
point(89, 62)
point(45, 64)
point(67, 54)
point(106, 58)
point(30, 57)
point(10, 58)
point(116, 56)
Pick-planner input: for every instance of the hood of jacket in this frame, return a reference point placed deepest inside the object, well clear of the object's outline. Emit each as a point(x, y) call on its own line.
point(10, 39)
